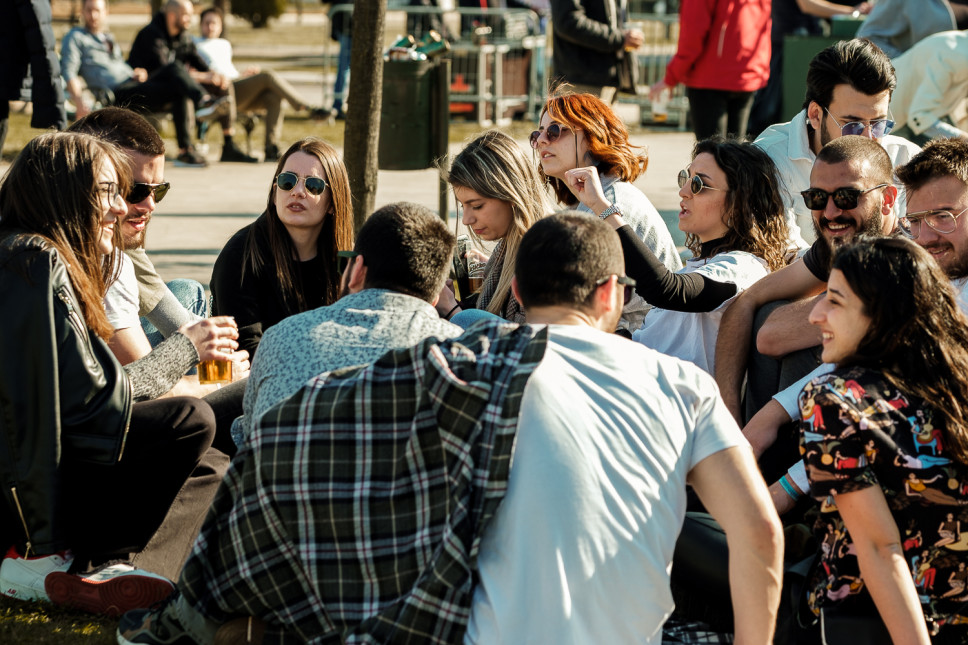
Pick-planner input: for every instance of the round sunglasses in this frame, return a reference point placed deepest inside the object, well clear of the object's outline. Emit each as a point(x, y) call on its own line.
point(879, 128)
point(552, 133)
point(695, 183)
point(140, 191)
point(288, 180)
point(844, 198)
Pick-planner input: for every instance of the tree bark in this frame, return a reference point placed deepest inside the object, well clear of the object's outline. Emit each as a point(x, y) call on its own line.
point(362, 134)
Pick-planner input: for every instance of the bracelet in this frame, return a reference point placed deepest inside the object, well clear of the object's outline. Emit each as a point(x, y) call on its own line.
point(611, 210)
point(789, 489)
point(449, 313)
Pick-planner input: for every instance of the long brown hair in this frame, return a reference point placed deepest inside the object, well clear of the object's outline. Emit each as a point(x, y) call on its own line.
point(918, 335)
point(754, 212)
point(608, 139)
point(52, 190)
point(268, 242)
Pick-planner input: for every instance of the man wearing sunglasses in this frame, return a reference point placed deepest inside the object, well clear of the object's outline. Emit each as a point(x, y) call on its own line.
point(850, 192)
point(849, 87)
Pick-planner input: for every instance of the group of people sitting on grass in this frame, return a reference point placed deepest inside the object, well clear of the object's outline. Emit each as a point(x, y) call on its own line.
point(569, 455)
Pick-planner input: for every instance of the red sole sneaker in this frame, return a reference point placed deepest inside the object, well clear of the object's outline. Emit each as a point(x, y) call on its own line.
point(112, 597)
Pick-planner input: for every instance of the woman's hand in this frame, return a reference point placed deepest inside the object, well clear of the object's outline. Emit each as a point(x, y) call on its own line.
point(446, 301)
point(585, 184)
point(213, 338)
point(656, 90)
point(240, 364)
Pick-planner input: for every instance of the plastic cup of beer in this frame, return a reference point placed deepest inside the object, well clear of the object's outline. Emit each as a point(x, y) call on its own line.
point(215, 371)
point(475, 273)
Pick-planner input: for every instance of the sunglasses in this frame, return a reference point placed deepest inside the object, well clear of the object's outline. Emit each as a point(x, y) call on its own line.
point(879, 128)
point(140, 191)
point(552, 133)
point(343, 259)
point(623, 280)
point(695, 183)
point(288, 180)
point(943, 222)
point(844, 198)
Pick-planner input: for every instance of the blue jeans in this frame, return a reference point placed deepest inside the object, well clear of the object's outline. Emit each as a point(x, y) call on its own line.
point(191, 295)
point(342, 71)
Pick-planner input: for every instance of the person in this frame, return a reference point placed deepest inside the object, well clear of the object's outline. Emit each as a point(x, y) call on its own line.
point(28, 65)
point(589, 41)
point(902, 356)
point(720, 81)
point(501, 196)
point(388, 289)
point(91, 53)
point(580, 130)
point(254, 88)
point(341, 31)
point(932, 83)
point(285, 261)
point(850, 192)
point(80, 431)
point(897, 25)
point(849, 87)
point(562, 385)
point(732, 214)
point(166, 39)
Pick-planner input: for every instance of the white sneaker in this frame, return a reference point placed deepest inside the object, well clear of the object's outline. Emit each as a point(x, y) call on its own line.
point(111, 590)
point(23, 578)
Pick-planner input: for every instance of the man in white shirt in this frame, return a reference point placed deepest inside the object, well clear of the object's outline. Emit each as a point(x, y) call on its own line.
point(609, 434)
point(849, 87)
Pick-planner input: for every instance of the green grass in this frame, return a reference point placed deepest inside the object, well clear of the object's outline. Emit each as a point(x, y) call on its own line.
point(23, 623)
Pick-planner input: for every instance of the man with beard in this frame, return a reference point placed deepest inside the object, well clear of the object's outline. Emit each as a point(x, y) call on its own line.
point(849, 87)
point(850, 192)
point(390, 284)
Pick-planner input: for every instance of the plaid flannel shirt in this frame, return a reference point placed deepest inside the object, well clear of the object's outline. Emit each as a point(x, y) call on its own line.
point(355, 512)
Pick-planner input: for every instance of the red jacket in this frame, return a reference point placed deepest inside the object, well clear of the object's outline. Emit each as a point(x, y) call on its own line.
point(723, 45)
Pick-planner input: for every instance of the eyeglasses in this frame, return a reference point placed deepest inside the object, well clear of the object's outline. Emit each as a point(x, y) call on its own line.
point(552, 132)
point(941, 221)
point(288, 180)
point(879, 128)
point(343, 259)
point(844, 198)
point(624, 280)
point(695, 183)
point(111, 189)
point(140, 191)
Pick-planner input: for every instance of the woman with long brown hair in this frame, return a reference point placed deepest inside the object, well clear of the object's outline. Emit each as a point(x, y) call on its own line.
point(896, 410)
point(284, 263)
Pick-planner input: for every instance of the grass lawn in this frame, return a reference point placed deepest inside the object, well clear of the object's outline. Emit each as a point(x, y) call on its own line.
point(38, 623)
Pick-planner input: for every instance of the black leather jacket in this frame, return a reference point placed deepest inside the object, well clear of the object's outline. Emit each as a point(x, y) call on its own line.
point(63, 395)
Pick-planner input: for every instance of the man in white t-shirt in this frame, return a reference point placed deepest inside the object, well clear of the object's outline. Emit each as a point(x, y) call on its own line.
point(609, 434)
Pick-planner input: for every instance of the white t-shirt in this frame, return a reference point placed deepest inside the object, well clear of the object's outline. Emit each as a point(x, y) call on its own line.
point(581, 547)
point(691, 336)
point(121, 300)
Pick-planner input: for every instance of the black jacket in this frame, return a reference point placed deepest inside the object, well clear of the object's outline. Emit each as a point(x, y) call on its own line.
point(63, 395)
point(586, 47)
point(29, 67)
point(153, 48)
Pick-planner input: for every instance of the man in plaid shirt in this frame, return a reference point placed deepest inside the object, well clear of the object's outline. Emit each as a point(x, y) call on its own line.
point(361, 507)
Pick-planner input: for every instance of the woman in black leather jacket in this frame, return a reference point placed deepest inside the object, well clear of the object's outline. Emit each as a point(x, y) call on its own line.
point(89, 475)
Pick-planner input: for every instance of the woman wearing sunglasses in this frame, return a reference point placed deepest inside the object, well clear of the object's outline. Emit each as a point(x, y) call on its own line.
point(501, 197)
point(885, 441)
point(79, 434)
point(285, 262)
point(732, 215)
point(580, 130)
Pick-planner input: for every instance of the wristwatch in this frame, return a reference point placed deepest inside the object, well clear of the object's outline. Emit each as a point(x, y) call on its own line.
point(611, 210)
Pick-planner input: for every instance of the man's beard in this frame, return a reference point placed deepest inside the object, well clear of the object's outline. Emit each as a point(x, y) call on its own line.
point(958, 267)
point(872, 225)
point(825, 137)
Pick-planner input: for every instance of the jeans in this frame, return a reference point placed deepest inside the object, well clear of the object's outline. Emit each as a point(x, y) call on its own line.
point(189, 293)
point(342, 71)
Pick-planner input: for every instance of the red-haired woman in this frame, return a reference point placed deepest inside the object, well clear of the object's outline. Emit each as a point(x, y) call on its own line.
point(581, 130)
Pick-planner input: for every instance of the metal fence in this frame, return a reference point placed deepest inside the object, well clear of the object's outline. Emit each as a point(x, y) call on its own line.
point(501, 59)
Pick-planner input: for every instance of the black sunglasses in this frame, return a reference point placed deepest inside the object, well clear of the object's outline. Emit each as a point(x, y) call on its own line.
point(552, 132)
point(288, 180)
point(695, 183)
point(623, 280)
point(343, 259)
point(844, 198)
point(140, 191)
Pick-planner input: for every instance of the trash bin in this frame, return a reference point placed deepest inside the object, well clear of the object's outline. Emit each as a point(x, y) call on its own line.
point(414, 121)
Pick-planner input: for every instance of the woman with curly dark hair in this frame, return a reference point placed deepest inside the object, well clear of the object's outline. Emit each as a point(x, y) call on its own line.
point(732, 215)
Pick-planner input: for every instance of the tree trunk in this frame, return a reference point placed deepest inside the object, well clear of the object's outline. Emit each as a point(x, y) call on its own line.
point(362, 134)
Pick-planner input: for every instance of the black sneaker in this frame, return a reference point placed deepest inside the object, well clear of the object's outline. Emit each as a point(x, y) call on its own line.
point(321, 114)
point(272, 153)
point(211, 108)
point(340, 115)
point(158, 625)
point(190, 159)
point(232, 153)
